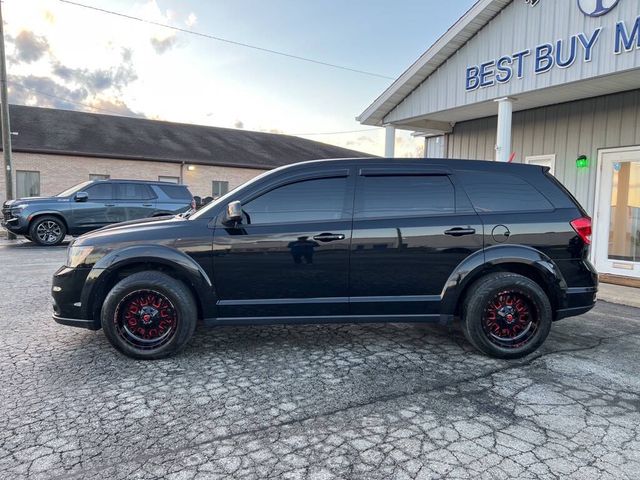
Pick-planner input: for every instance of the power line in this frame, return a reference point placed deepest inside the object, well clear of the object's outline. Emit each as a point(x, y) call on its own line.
point(226, 40)
point(86, 105)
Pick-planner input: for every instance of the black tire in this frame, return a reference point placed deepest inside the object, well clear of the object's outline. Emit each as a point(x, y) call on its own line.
point(149, 315)
point(506, 315)
point(47, 231)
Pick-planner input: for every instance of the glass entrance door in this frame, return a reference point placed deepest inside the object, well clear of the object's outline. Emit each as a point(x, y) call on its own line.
point(617, 240)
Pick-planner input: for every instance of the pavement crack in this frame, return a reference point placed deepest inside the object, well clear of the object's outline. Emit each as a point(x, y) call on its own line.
point(354, 406)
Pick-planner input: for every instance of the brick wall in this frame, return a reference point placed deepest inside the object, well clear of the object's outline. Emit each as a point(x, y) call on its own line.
point(59, 172)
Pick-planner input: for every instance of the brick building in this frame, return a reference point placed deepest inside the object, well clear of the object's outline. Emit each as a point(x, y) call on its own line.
point(55, 149)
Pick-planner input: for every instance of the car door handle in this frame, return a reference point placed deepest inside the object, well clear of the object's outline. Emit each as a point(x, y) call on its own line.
point(109, 204)
point(460, 232)
point(329, 237)
point(147, 204)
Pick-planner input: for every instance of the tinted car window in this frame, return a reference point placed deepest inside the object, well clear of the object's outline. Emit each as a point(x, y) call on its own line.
point(310, 200)
point(394, 196)
point(502, 192)
point(133, 191)
point(176, 192)
point(100, 191)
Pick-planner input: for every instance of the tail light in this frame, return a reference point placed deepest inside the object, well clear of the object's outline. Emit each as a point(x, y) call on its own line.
point(582, 226)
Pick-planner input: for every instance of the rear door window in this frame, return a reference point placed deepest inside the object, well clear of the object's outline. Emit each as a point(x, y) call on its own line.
point(404, 196)
point(133, 191)
point(497, 192)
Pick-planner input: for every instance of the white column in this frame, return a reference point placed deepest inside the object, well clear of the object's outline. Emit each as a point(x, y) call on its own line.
point(389, 141)
point(503, 141)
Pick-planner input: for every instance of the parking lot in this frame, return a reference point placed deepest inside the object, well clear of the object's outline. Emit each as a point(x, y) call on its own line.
point(364, 401)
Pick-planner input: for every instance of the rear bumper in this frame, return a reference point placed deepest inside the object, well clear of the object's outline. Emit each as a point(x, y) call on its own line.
point(577, 301)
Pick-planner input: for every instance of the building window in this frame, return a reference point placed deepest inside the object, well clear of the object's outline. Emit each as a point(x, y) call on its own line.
point(219, 188)
point(162, 178)
point(99, 176)
point(27, 183)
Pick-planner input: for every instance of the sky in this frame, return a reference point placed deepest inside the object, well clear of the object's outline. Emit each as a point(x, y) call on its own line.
point(65, 56)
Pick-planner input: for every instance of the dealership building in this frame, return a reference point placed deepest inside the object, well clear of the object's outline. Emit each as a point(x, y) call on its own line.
point(546, 82)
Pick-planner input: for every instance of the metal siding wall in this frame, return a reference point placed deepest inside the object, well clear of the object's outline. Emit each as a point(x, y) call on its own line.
point(567, 130)
point(516, 28)
point(435, 147)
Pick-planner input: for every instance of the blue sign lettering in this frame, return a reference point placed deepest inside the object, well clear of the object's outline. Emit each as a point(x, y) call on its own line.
point(624, 41)
point(544, 58)
point(473, 78)
point(588, 43)
point(573, 50)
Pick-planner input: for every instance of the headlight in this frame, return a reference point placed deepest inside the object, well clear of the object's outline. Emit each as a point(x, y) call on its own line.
point(18, 208)
point(77, 256)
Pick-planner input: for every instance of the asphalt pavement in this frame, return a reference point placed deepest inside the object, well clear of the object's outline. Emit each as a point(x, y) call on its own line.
point(323, 401)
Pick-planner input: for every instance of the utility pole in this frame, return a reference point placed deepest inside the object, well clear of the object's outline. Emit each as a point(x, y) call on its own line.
point(6, 126)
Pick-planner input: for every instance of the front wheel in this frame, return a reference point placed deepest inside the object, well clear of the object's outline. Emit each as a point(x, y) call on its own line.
point(506, 315)
point(47, 231)
point(149, 315)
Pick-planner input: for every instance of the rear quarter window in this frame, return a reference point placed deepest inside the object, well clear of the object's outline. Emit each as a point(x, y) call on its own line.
point(176, 192)
point(491, 192)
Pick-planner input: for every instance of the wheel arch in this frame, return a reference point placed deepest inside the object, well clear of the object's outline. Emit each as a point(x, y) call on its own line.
point(525, 261)
point(119, 264)
point(53, 213)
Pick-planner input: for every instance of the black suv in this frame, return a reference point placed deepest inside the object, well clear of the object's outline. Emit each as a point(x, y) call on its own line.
point(501, 246)
point(91, 205)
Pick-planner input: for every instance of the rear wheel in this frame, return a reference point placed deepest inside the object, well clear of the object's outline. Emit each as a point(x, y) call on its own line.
point(47, 231)
point(506, 315)
point(149, 315)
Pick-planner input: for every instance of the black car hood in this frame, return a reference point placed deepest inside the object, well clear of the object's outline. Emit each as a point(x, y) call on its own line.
point(133, 231)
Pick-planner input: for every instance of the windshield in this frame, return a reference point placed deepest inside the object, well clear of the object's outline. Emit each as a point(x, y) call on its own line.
point(74, 189)
point(223, 199)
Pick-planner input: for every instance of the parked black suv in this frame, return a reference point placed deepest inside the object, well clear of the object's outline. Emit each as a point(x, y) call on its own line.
point(502, 246)
point(91, 205)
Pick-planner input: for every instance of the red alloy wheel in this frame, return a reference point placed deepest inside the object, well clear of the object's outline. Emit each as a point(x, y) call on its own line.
point(510, 319)
point(146, 319)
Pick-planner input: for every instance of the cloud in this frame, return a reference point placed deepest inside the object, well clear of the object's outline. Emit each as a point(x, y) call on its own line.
point(239, 124)
point(191, 20)
point(96, 81)
point(29, 47)
point(162, 45)
point(68, 87)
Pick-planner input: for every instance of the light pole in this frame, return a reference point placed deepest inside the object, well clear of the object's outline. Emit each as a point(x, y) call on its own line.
point(6, 126)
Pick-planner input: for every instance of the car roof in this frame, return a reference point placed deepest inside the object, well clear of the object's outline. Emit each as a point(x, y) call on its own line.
point(146, 182)
point(445, 163)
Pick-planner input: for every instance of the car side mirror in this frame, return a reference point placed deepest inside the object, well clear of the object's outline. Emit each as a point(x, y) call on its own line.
point(234, 212)
point(81, 197)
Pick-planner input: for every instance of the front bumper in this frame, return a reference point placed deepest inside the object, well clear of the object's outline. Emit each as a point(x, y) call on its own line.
point(66, 291)
point(18, 225)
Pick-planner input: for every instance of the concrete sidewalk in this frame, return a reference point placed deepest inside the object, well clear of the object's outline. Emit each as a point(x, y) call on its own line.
point(629, 296)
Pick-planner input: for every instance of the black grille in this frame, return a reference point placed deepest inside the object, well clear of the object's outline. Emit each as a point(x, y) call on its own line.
point(6, 213)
